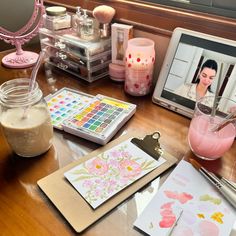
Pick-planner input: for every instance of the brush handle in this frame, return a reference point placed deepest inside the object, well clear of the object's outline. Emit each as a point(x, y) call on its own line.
point(228, 183)
point(225, 190)
point(228, 194)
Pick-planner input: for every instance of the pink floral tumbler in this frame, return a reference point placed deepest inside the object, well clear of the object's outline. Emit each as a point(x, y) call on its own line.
point(140, 58)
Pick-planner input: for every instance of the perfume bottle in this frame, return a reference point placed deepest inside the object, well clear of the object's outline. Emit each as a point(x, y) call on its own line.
point(88, 28)
point(76, 19)
point(120, 45)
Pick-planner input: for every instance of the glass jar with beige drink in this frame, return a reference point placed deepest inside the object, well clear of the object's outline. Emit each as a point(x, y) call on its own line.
point(25, 118)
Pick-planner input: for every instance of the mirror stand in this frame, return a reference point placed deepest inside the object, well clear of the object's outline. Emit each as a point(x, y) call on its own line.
point(21, 58)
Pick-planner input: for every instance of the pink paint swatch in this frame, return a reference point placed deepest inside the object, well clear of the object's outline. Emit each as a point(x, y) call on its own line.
point(181, 197)
point(207, 228)
point(168, 217)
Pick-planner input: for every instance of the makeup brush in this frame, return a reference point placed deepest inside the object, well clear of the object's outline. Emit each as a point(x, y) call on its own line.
point(229, 194)
point(104, 15)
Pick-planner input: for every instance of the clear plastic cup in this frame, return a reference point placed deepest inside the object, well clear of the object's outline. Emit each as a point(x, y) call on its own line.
point(203, 140)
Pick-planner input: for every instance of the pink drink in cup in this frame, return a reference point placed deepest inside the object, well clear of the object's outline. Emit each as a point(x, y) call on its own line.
point(203, 140)
point(207, 144)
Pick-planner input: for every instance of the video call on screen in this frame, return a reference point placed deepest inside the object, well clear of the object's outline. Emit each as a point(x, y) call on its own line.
point(203, 44)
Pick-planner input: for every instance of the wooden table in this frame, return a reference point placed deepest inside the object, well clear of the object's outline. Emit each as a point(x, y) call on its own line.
point(25, 210)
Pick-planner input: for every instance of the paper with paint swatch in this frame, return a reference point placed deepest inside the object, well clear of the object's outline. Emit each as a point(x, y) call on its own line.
point(103, 176)
point(205, 211)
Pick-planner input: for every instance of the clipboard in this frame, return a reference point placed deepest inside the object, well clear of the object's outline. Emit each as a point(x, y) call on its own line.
point(71, 204)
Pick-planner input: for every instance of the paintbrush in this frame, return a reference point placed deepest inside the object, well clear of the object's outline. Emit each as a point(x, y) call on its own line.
point(230, 184)
point(228, 193)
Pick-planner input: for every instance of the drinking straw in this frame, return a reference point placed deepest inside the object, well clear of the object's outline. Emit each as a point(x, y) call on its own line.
point(228, 119)
point(35, 71)
point(33, 77)
point(213, 111)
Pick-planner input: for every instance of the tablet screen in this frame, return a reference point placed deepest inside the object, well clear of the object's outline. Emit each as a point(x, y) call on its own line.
point(193, 65)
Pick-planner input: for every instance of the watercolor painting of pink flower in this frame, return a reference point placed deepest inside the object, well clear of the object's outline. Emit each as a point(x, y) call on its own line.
point(97, 166)
point(99, 178)
point(129, 168)
point(120, 154)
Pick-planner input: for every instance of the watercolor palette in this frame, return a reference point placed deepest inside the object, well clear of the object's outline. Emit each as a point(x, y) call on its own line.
point(100, 119)
point(64, 103)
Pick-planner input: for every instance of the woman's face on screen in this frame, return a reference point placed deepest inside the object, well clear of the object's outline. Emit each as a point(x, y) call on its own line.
point(206, 76)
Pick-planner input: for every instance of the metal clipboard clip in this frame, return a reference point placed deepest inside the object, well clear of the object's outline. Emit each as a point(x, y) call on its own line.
point(150, 144)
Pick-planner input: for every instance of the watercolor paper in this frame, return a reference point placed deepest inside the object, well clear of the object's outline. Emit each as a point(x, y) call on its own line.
point(103, 176)
point(205, 211)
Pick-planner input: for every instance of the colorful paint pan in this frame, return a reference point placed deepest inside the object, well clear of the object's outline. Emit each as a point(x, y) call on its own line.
point(97, 116)
point(100, 119)
point(64, 103)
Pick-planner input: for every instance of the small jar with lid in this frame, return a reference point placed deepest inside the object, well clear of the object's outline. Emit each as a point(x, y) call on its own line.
point(25, 119)
point(56, 18)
